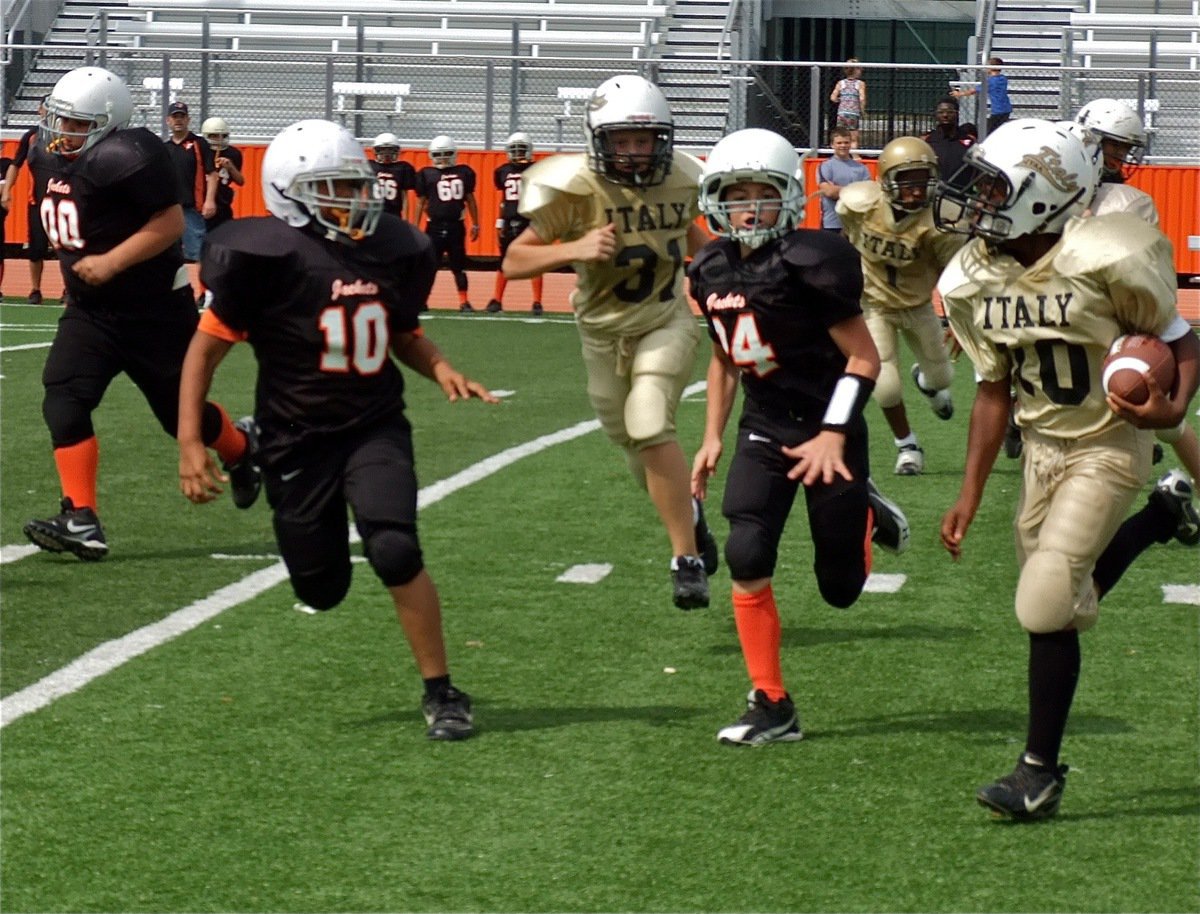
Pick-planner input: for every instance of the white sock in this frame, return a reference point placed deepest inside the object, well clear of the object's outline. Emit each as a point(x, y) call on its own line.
point(911, 438)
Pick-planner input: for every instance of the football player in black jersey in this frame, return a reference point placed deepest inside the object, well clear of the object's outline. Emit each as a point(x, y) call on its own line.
point(38, 245)
point(395, 178)
point(783, 312)
point(326, 290)
point(511, 223)
point(110, 210)
point(444, 190)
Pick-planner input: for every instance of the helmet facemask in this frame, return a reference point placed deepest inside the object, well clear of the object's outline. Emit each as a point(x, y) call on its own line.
point(347, 217)
point(896, 181)
point(632, 169)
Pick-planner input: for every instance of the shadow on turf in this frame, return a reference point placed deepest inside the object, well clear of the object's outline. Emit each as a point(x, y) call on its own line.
point(988, 723)
point(1161, 801)
point(799, 636)
point(512, 720)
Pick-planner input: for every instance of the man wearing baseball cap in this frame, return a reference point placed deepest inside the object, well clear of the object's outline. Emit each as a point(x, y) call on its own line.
point(196, 178)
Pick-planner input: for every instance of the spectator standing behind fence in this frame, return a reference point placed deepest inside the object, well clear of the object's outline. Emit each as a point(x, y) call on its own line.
point(228, 162)
point(834, 174)
point(196, 178)
point(950, 139)
point(999, 104)
point(511, 223)
point(38, 246)
point(850, 93)
point(444, 190)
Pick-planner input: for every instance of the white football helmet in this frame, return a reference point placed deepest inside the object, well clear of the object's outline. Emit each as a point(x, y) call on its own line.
point(519, 147)
point(900, 162)
point(85, 94)
point(1114, 120)
point(763, 157)
point(623, 103)
point(1091, 145)
point(442, 151)
point(298, 174)
point(1028, 177)
point(387, 147)
point(216, 131)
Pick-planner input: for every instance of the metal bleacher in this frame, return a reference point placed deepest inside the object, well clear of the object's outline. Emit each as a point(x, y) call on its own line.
point(268, 62)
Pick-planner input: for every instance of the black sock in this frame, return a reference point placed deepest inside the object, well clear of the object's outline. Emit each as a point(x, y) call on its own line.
point(1054, 662)
point(1153, 524)
point(436, 686)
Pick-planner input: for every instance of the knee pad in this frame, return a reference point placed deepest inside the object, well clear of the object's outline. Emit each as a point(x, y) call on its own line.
point(1045, 599)
point(395, 555)
point(747, 555)
point(650, 409)
point(888, 391)
point(68, 420)
point(840, 584)
point(323, 589)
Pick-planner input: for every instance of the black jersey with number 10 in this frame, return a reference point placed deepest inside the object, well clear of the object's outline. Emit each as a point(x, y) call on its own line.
point(321, 317)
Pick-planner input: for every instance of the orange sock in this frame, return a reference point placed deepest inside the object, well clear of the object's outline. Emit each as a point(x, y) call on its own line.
point(77, 468)
point(231, 442)
point(537, 288)
point(757, 620)
point(462, 296)
point(501, 285)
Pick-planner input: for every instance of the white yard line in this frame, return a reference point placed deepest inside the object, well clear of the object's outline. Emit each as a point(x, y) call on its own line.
point(24, 346)
point(112, 654)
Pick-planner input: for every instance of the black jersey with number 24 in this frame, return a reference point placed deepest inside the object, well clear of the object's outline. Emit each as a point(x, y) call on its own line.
point(321, 317)
point(771, 312)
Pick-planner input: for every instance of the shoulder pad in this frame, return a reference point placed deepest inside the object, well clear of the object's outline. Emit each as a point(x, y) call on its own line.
point(568, 173)
point(256, 236)
point(125, 152)
point(1121, 198)
point(395, 238)
point(829, 262)
point(685, 169)
point(860, 197)
point(966, 263)
point(1100, 241)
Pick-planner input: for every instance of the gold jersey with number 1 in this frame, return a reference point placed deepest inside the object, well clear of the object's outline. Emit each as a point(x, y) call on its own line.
point(902, 258)
point(641, 288)
point(1050, 326)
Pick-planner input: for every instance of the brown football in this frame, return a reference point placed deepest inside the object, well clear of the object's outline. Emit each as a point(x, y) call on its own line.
point(1132, 356)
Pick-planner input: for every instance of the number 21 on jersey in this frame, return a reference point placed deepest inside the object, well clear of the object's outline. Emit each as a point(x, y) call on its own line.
point(747, 349)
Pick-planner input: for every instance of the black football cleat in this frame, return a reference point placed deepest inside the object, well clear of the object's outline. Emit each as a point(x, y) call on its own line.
point(75, 530)
point(448, 715)
point(537, 307)
point(245, 479)
point(1031, 792)
point(891, 526)
point(1174, 492)
point(689, 582)
point(494, 306)
point(764, 722)
point(466, 308)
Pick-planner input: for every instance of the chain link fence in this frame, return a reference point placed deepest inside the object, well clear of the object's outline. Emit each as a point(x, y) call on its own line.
point(479, 100)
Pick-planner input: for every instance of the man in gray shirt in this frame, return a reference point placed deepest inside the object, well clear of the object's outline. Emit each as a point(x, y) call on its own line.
point(834, 174)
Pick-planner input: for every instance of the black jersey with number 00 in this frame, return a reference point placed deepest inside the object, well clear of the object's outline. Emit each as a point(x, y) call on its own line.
point(771, 312)
point(445, 191)
point(95, 202)
point(321, 317)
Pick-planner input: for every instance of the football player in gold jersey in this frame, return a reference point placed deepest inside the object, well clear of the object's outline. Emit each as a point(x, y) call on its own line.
point(1036, 299)
point(624, 212)
point(1117, 131)
point(890, 224)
